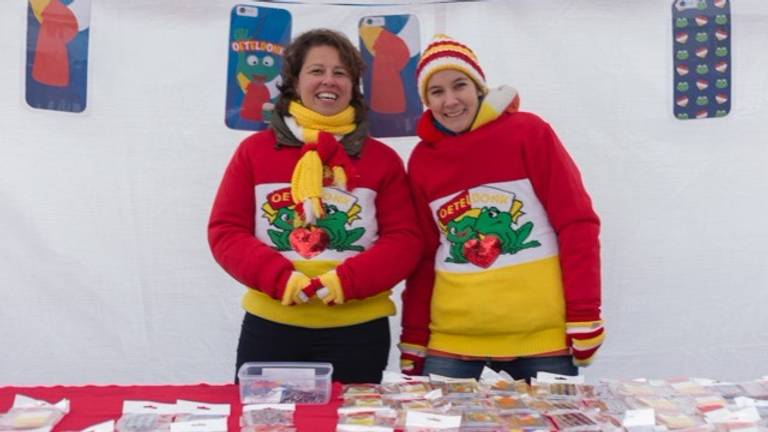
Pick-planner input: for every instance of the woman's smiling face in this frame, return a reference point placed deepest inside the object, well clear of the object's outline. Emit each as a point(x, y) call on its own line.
point(324, 85)
point(453, 98)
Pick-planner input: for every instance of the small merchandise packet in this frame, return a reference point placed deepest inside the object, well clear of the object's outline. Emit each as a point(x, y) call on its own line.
point(555, 386)
point(27, 414)
point(414, 404)
point(689, 387)
point(727, 390)
point(572, 420)
point(502, 382)
point(639, 387)
point(505, 403)
point(706, 404)
point(527, 420)
point(200, 417)
point(480, 419)
point(145, 416)
point(355, 390)
point(754, 389)
point(379, 420)
point(455, 387)
point(260, 415)
point(677, 420)
point(366, 400)
point(431, 421)
point(656, 403)
point(540, 405)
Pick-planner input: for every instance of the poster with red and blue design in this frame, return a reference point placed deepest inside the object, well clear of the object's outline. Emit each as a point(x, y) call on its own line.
point(702, 58)
point(389, 46)
point(257, 38)
point(57, 54)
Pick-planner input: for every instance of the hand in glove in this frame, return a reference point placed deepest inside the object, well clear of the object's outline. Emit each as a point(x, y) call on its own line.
point(412, 358)
point(584, 338)
point(331, 293)
point(293, 292)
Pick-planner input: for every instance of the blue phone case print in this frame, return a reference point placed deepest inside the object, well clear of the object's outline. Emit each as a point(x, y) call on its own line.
point(389, 46)
point(258, 37)
point(57, 54)
point(702, 58)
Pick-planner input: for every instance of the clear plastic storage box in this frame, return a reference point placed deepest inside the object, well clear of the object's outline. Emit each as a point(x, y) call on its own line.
point(294, 382)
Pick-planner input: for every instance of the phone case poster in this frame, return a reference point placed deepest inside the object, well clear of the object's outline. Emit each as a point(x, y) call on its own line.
point(390, 48)
point(57, 54)
point(702, 58)
point(258, 38)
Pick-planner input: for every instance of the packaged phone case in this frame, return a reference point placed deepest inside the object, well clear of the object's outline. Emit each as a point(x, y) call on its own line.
point(702, 58)
point(389, 45)
point(25, 418)
point(57, 54)
point(573, 420)
point(140, 422)
point(355, 390)
point(258, 37)
point(267, 415)
point(525, 421)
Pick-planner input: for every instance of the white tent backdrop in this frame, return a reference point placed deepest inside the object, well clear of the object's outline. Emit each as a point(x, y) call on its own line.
point(105, 272)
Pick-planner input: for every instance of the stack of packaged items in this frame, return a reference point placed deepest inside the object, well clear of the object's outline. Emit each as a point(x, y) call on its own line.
point(499, 403)
point(270, 391)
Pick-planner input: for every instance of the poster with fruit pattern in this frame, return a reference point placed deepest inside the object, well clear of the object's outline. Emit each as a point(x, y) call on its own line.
point(702, 58)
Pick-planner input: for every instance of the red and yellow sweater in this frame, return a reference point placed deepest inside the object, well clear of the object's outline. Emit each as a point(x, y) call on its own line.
point(374, 240)
point(512, 249)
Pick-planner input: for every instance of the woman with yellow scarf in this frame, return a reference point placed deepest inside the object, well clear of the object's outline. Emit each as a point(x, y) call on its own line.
point(315, 218)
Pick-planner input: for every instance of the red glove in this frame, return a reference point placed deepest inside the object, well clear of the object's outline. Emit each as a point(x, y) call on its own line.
point(412, 358)
point(583, 339)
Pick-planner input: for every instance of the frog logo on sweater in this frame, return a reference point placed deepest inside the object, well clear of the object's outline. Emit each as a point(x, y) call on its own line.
point(330, 232)
point(481, 224)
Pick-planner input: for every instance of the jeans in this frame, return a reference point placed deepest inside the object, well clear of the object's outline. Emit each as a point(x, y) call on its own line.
point(520, 368)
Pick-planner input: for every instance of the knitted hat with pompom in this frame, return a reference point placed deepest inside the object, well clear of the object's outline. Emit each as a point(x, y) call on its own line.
point(443, 53)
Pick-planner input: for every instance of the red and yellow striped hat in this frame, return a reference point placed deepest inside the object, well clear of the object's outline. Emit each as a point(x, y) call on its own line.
point(446, 53)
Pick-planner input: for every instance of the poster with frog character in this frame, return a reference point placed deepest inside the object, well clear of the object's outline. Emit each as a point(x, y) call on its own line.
point(258, 37)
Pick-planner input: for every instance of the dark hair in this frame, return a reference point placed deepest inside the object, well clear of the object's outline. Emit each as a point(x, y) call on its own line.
point(296, 53)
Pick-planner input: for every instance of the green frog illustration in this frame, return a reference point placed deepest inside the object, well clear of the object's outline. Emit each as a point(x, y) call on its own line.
point(283, 221)
point(255, 72)
point(334, 223)
point(458, 232)
point(493, 221)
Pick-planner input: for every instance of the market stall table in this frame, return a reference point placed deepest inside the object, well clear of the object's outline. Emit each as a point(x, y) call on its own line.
point(95, 404)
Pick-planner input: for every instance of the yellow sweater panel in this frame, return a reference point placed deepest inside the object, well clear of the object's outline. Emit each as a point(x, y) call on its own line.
point(512, 311)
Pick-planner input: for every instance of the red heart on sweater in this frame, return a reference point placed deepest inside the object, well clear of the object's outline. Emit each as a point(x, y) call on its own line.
point(308, 242)
point(482, 253)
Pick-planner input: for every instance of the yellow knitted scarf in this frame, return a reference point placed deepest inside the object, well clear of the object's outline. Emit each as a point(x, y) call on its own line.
point(319, 151)
point(495, 102)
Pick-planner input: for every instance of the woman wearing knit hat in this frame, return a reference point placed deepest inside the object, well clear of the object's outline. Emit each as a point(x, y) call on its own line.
point(315, 218)
point(510, 276)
